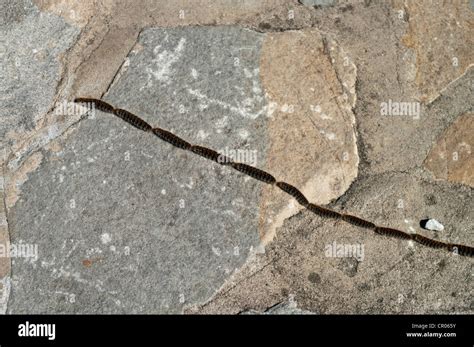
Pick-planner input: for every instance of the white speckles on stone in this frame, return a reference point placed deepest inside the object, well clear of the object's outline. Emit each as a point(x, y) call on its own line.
point(243, 108)
point(221, 123)
point(3, 219)
point(433, 224)
point(203, 106)
point(202, 135)
point(324, 116)
point(93, 251)
point(271, 108)
point(194, 73)
point(287, 108)
point(112, 249)
point(105, 238)
point(163, 62)
point(329, 135)
point(315, 108)
point(247, 73)
point(243, 133)
point(4, 293)
point(216, 251)
point(163, 192)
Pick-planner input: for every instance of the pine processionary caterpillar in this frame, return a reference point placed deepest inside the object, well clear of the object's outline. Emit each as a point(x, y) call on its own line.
point(268, 178)
point(133, 120)
point(254, 172)
point(358, 221)
point(323, 212)
point(98, 104)
point(171, 138)
point(393, 233)
point(294, 192)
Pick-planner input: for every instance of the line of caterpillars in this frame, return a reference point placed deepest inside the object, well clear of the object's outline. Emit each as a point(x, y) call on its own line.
point(269, 179)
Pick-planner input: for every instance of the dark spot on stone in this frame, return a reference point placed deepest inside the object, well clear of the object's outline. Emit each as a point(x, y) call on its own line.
point(284, 291)
point(348, 7)
point(314, 277)
point(430, 200)
point(363, 287)
point(442, 264)
point(349, 266)
point(264, 26)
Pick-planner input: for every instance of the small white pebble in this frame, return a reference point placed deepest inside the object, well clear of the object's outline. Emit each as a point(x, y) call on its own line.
point(433, 224)
point(105, 238)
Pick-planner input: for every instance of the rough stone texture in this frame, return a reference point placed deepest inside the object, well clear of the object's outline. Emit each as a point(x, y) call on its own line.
point(32, 45)
point(442, 38)
point(31, 48)
point(394, 276)
point(131, 214)
point(452, 157)
point(356, 55)
point(307, 95)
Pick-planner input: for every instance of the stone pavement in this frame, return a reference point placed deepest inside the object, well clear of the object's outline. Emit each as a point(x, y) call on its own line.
point(365, 106)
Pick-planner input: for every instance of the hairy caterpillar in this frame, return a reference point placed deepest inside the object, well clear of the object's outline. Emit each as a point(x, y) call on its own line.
point(98, 104)
point(254, 172)
point(171, 138)
point(268, 178)
point(132, 119)
point(294, 192)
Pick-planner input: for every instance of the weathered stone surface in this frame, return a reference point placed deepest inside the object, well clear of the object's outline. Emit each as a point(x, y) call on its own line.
point(104, 45)
point(387, 71)
point(124, 222)
point(311, 121)
point(54, 168)
point(31, 48)
point(452, 157)
point(392, 276)
point(442, 38)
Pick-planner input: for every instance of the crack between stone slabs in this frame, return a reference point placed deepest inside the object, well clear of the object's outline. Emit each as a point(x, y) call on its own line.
point(57, 96)
point(59, 86)
point(224, 293)
point(117, 72)
point(397, 42)
point(409, 172)
point(441, 93)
